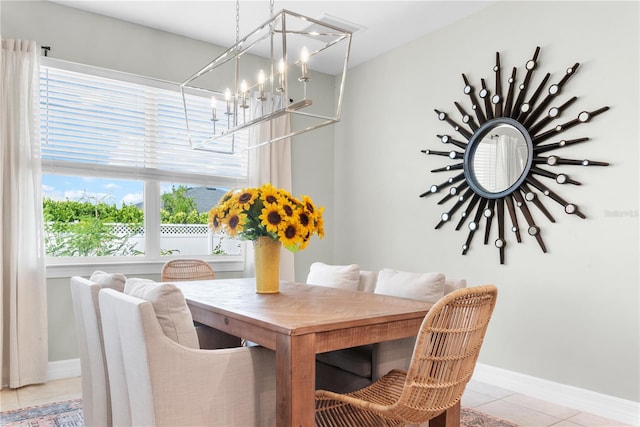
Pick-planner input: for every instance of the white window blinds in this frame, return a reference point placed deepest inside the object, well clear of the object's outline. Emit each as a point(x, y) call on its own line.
point(91, 121)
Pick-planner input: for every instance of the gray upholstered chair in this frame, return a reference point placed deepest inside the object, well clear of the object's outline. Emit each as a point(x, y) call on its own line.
point(350, 369)
point(157, 381)
point(96, 401)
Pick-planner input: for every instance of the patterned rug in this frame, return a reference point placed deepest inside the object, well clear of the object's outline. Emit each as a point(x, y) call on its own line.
point(60, 414)
point(69, 414)
point(472, 418)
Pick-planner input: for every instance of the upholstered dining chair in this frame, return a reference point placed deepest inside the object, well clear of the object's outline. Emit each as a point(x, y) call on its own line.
point(186, 269)
point(190, 269)
point(444, 357)
point(159, 380)
point(96, 400)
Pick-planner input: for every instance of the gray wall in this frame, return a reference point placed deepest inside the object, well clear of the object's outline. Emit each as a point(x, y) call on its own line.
point(568, 316)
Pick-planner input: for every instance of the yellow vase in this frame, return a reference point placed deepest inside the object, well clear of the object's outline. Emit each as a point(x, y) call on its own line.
point(267, 264)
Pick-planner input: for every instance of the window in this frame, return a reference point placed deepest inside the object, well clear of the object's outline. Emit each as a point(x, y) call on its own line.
point(120, 180)
point(184, 220)
point(87, 216)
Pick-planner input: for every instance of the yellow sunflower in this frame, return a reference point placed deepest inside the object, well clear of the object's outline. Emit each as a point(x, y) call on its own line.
point(215, 219)
point(234, 222)
point(304, 242)
point(310, 207)
point(305, 220)
point(288, 206)
point(319, 225)
point(289, 235)
point(246, 197)
point(271, 218)
point(269, 194)
point(228, 203)
point(229, 194)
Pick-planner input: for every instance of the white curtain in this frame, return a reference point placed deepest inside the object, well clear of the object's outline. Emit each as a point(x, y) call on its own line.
point(271, 163)
point(505, 146)
point(23, 311)
point(510, 161)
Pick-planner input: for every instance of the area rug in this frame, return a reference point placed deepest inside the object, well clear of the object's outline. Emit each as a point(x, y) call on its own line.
point(69, 414)
point(472, 418)
point(60, 414)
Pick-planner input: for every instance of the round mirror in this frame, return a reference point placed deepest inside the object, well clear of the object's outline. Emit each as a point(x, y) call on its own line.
point(498, 157)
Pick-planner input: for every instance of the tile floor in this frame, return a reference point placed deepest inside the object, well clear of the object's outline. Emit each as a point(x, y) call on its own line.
point(505, 404)
point(40, 394)
point(527, 411)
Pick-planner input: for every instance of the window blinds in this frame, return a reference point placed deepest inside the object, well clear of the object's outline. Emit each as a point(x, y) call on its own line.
point(89, 121)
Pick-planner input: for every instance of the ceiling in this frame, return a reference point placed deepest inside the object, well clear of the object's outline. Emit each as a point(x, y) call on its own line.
point(381, 25)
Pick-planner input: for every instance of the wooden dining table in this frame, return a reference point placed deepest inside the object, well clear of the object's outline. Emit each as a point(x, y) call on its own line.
point(299, 322)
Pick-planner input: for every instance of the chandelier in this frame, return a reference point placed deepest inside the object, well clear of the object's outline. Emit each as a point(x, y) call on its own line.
point(264, 77)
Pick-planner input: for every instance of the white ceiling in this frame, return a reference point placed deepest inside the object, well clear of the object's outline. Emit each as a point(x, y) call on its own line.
point(384, 24)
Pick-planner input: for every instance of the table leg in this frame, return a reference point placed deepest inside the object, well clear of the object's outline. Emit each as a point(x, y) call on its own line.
point(449, 418)
point(295, 380)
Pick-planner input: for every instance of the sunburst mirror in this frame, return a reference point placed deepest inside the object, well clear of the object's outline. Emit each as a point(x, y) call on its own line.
point(503, 157)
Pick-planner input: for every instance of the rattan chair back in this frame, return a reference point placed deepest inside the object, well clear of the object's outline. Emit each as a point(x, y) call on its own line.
point(444, 357)
point(186, 269)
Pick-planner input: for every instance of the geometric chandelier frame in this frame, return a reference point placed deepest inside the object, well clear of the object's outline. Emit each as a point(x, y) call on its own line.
point(264, 77)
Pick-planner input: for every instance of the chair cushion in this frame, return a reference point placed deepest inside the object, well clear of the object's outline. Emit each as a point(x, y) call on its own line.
point(170, 308)
point(337, 380)
point(451, 285)
point(428, 287)
point(356, 360)
point(110, 280)
point(367, 282)
point(334, 276)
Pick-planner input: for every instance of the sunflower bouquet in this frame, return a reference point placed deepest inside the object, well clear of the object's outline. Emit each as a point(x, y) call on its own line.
point(268, 211)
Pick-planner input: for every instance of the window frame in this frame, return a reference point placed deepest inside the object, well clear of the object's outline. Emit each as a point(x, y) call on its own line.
point(151, 261)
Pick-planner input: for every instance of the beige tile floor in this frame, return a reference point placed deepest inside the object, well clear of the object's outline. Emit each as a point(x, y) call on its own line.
point(517, 408)
point(527, 411)
point(40, 394)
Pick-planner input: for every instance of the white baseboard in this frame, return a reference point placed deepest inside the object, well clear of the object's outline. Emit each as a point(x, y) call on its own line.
point(613, 408)
point(62, 369)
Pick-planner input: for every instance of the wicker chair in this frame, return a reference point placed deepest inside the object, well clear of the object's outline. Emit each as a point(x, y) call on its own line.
point(186, 269)
point(443, 361)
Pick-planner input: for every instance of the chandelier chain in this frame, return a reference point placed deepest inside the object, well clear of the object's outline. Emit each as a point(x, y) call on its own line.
point(237, 21)
point(271, 8)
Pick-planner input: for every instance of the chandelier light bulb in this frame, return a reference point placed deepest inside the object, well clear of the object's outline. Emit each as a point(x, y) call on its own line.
point(213, 108)
point(243, 91)
point(261, 79)
point(281, 75)
point(304, 65)
point(227, 97)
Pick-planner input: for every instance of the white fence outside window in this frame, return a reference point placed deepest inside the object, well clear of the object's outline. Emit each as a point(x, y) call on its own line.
point(183, 239)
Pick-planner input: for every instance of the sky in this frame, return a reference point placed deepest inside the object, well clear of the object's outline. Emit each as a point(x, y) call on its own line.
point(107, 190)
